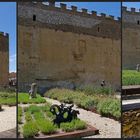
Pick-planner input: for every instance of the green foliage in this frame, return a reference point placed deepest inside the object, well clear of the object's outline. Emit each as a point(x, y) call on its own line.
point(30, 129)
point(28, 116)
point(130, 77)
point(25, 98)
point(90, 90)
point(69, 96)
point(110, 107)
point(39, 119)
point(8, 98)
point(73, 125)
point(19, 115)
point(32, 109)
point(46, 126)
point(39, 115)
point(89, 102)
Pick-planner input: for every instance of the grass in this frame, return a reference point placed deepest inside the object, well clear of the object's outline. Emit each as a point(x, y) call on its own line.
point(24, 98)
point(110, 107)
point(46, 126)
point(7, 98)
point(19, 115)
point(75, 124)
point(30, 129)
point(88, 101)
point(130, 77)
point(39, 120)
point(90, 90)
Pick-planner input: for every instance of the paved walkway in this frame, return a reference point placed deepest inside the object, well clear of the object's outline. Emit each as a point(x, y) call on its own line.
point(108, 128)
point(7, 118)
point(8, 134)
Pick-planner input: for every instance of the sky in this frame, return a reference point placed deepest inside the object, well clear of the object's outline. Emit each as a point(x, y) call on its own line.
point(8, 25)
point(109, 8)
point(132, 4)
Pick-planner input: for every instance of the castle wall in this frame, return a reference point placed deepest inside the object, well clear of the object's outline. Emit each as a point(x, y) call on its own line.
point(4, 59)
point(53, 51)
point(130, 38)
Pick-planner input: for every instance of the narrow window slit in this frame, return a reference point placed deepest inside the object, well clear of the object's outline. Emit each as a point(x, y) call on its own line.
point(34, 17)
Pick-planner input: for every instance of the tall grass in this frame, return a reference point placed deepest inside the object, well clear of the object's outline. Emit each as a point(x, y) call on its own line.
point(25, 98)
point(8, 98)
point(130, 77)
point(88, 101)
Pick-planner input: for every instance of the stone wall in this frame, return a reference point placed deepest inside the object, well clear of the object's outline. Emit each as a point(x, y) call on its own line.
point(130, 38)
point(131, 124)
point(4, 58)
point(68, 49)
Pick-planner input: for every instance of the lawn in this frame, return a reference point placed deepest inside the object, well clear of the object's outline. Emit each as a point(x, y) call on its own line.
point(104, 102)
point(38, 120)
point(7, 98)
point(24, 98)
point(130, 77)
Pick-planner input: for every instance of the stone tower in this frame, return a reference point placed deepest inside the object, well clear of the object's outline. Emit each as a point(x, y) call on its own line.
point(130, 38)
point(4, 58)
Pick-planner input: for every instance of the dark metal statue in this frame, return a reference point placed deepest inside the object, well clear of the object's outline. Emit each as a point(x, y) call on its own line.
point(63, 113)
point(103, 84)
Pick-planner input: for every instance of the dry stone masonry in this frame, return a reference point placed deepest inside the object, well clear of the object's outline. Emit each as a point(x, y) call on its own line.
point(131, 123)
point(4, 59)
point(66, 47)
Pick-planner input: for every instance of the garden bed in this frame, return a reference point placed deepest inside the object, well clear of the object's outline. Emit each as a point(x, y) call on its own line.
point(36, 121)
point(24, 98)
point(130, 77)
point(105, 104)
point(7, 98)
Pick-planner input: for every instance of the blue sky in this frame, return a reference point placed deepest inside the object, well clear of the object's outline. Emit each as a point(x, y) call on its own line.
point(8, 25)
point(132, 4)
point(109, 8)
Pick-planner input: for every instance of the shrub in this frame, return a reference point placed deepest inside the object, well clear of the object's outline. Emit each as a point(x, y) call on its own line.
point(73, 125)
point(86, 103)
point(32, 109)
point(28, 116)
point(46, 126)
point(89, 102)
point(38, 115)
point(110, 107)
point(90, 90)
point(30, 129)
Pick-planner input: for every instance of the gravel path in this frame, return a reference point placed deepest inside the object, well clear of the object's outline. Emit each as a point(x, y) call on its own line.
point(108, 128)
point(7, 118)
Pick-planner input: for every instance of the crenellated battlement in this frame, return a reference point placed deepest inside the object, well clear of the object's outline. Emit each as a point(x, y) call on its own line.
point(4, 34)
point(131, 10)
point(131, 16)
point(72, 10)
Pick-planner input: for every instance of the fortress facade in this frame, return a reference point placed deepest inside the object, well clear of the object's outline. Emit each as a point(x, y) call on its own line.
point(130, 38)
point(61, 47)
point(4, 59)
